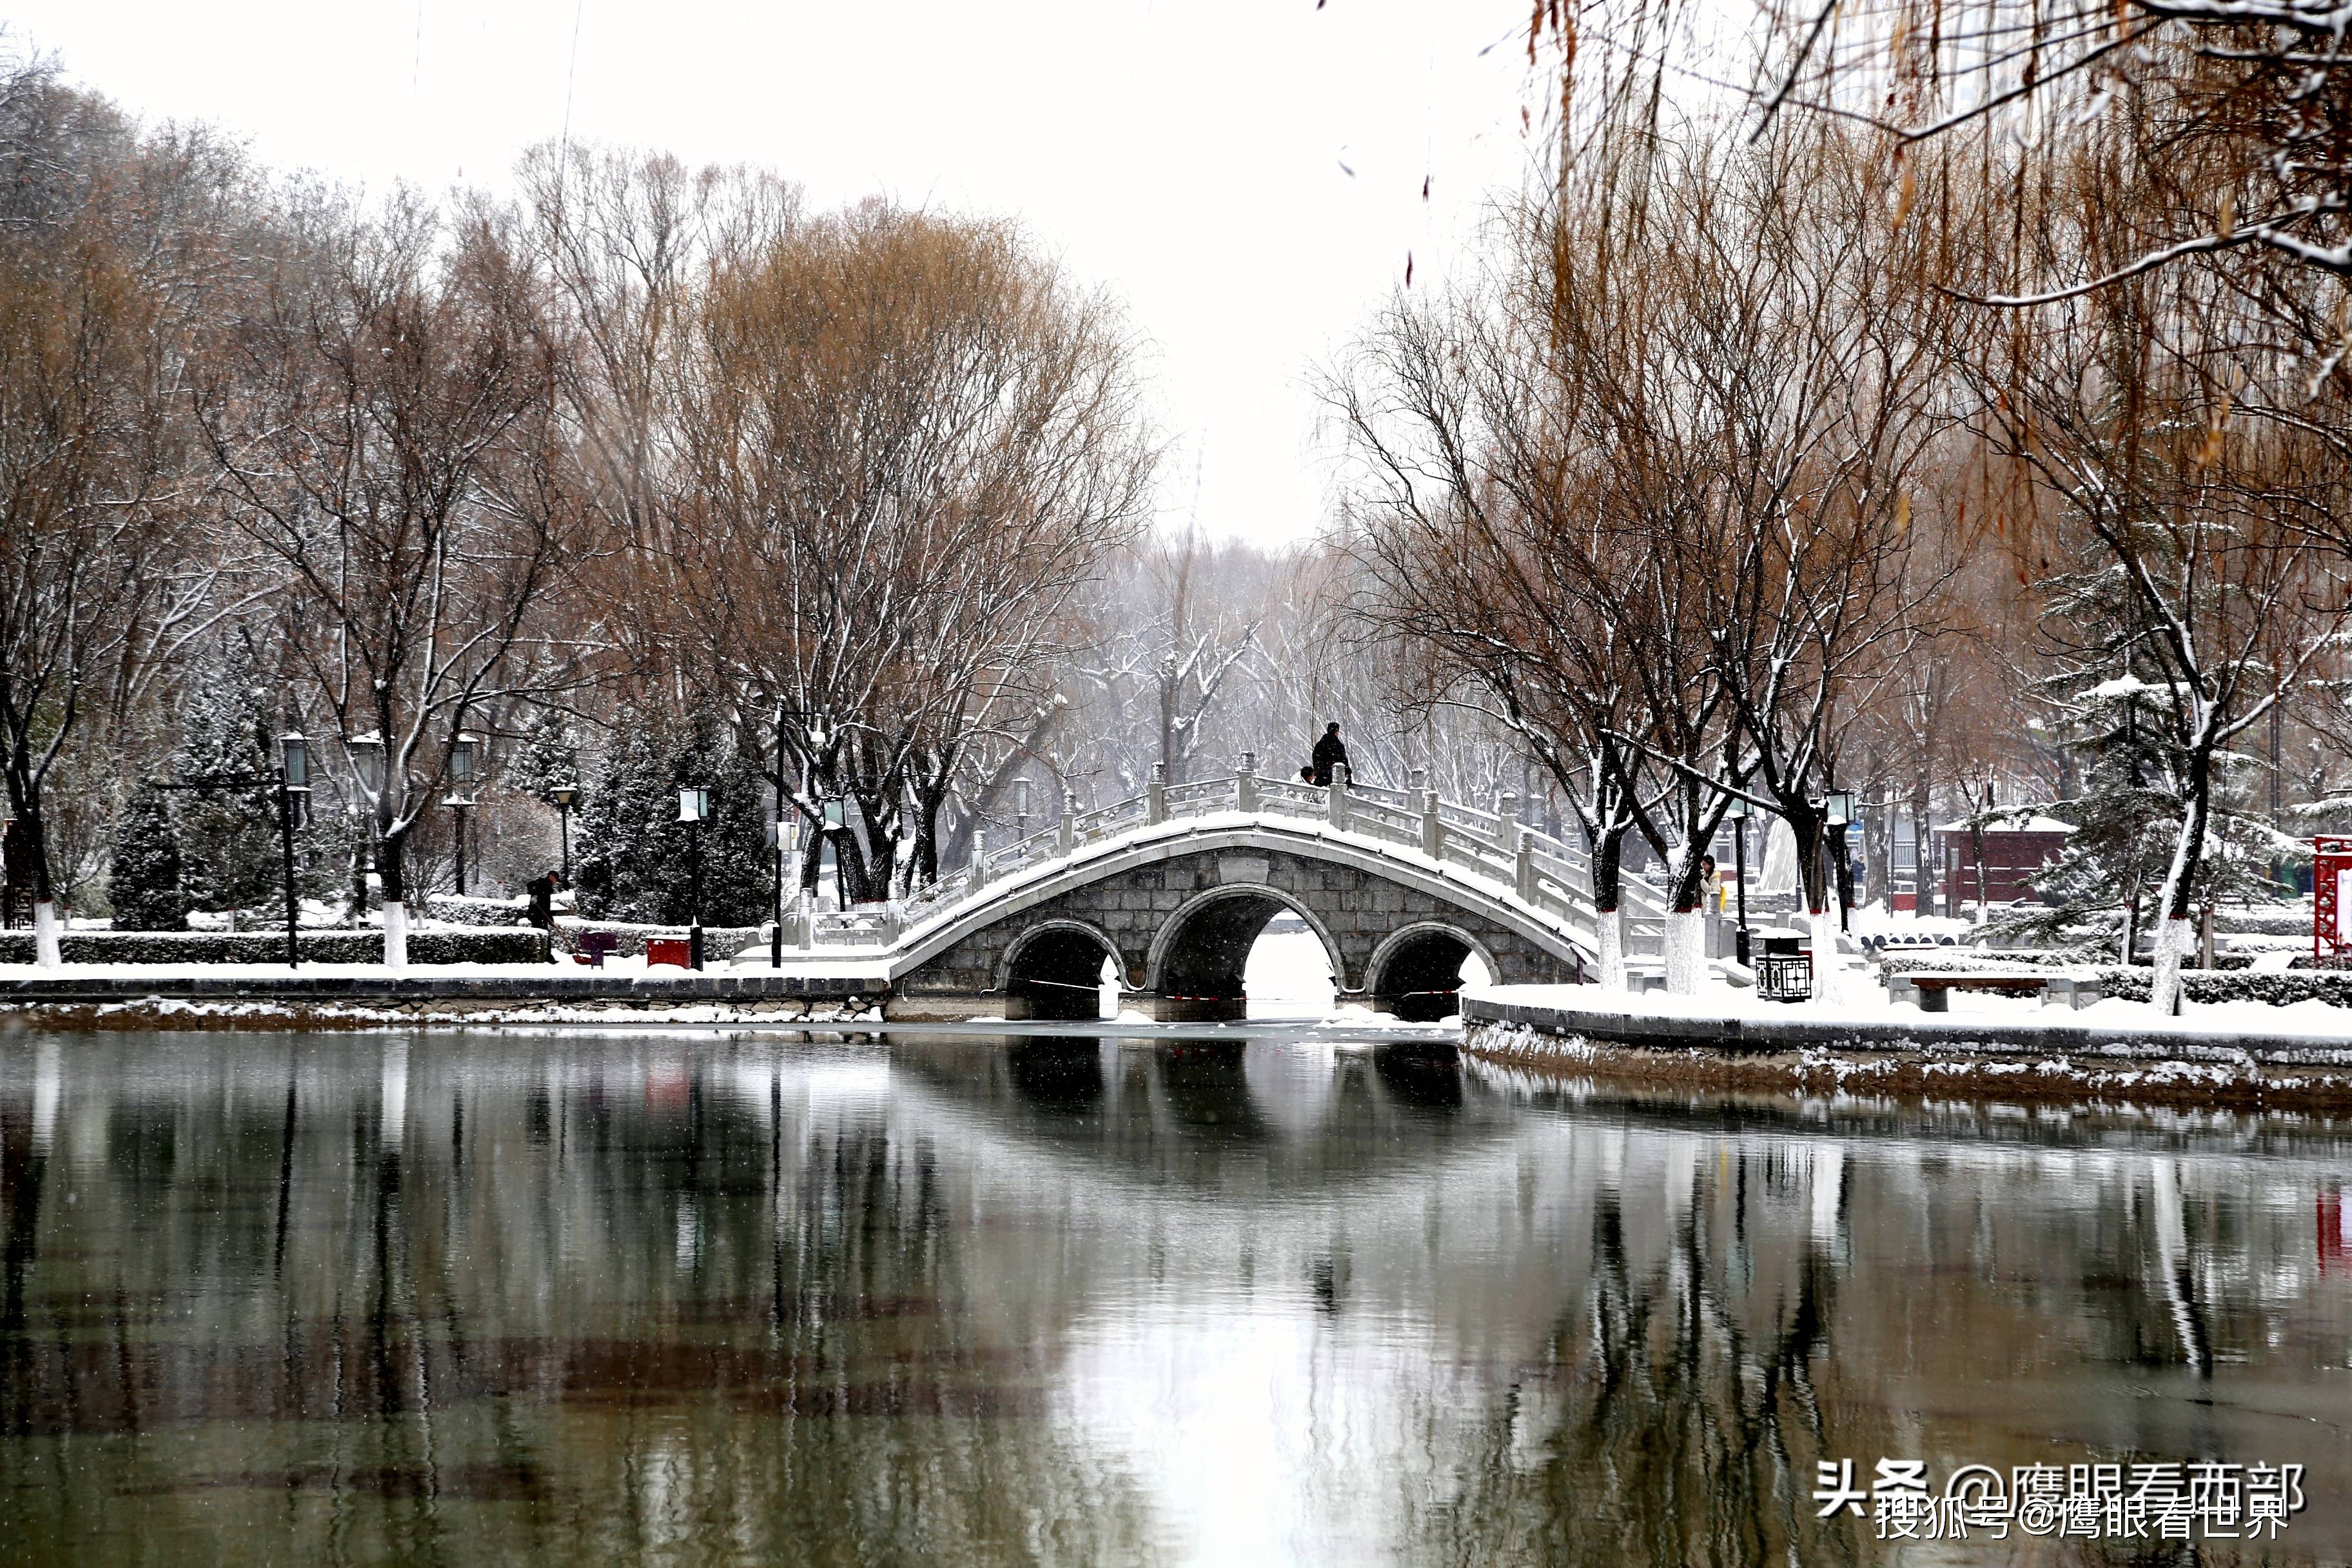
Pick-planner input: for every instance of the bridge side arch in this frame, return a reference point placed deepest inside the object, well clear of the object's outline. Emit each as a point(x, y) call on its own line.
point(1030, 933)
point(1052, 969)
point(1417, 968)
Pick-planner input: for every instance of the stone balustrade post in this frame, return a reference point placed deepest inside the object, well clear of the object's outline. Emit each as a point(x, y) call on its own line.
point(1155, 794)
point(1417, 791)
point(1336, 801)
point(1245, 783)
point(1068, 837)
point(1523, 862)
point(979, 854)
point(1432, 828)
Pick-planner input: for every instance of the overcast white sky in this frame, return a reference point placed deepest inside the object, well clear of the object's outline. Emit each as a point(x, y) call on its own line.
point(1192, 155)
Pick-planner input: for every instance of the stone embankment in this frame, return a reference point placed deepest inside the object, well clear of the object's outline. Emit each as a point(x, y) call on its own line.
point(1583, 1032)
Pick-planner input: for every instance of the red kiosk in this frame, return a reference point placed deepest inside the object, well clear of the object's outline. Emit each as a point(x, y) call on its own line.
point(2331, 897)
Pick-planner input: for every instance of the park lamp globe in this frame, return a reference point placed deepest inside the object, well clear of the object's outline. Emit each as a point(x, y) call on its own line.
point(294, 757)
point(563, 794)
point(1740, 809)
point(367, 758)
point(463, 750)
point(1837, 807)
point(693, 804)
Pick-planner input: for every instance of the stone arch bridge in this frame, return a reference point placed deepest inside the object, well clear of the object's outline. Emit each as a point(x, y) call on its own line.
point(1174, 886)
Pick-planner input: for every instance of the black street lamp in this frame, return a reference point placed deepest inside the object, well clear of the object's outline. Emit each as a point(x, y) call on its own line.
point(293, 779)
point(1837, 811)
point(1739, 811)
point(564, 795)
point(461, 800)
point(694, 808)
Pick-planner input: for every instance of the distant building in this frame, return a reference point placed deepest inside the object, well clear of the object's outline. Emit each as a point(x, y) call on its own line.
point(2014, 854)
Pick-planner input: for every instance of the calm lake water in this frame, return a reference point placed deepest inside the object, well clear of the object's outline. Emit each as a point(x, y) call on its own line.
point(468, 1298)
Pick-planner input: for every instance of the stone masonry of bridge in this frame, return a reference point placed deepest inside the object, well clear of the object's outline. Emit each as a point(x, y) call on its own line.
point(1181, 927)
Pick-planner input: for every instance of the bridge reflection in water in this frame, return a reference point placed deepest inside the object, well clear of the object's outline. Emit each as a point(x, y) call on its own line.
point(469, 1297)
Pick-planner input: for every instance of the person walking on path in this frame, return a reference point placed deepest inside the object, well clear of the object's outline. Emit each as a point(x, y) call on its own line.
point(1329, 752)
point(542, 900)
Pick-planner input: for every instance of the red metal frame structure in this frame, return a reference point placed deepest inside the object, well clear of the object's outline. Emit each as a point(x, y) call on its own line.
point(2331, 895)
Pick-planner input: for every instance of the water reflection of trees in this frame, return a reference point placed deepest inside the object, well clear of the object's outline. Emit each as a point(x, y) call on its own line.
point(1670, 1418)
point(601, 1295)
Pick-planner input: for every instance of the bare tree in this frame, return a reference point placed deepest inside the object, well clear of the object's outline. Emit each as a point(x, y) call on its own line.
point(2209, 511)
point(906, 442)
point(1471, 518)
point(103, 236)
point(381, 414)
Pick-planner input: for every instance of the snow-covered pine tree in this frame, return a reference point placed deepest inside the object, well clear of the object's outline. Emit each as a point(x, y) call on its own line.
point(616, 857)
point(2126, 817)
point(548, 758)
point(230, 856)
point(145, 883)
point(737, 868)
point(634, 860)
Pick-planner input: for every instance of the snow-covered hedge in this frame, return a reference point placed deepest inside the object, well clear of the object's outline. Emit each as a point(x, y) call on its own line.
point(1995, 958)
point(2264, 923)
point(270, 947)
point(457, 911)
point(2278, 987)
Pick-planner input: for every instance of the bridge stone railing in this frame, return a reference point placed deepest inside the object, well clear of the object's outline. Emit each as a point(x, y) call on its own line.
point(1550, 876)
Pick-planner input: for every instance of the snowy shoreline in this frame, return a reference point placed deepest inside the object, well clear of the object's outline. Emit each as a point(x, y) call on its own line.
point(2238, 1056)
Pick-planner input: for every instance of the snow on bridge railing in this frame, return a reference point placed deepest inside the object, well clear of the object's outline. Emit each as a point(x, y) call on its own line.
point(1543, 873)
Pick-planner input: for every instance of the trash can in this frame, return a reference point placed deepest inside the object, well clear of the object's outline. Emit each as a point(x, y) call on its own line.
point(674, 950)
point(1784, 971)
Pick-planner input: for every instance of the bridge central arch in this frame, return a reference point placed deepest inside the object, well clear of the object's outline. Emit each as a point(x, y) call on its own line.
point(1199, 959)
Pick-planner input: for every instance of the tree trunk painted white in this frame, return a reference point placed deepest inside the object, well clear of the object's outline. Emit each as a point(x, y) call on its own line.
point(2173, 941)
point(1609, 928)
point(1828, 971)
point(44, 935)
point(2175, 934)
point(396, 934)
point(1686, 952)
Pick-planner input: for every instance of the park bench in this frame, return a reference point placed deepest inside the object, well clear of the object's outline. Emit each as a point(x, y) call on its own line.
point(1932, 989)
point(595, 946)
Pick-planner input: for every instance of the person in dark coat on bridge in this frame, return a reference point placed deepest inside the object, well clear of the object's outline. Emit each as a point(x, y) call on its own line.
point(1329, 752)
